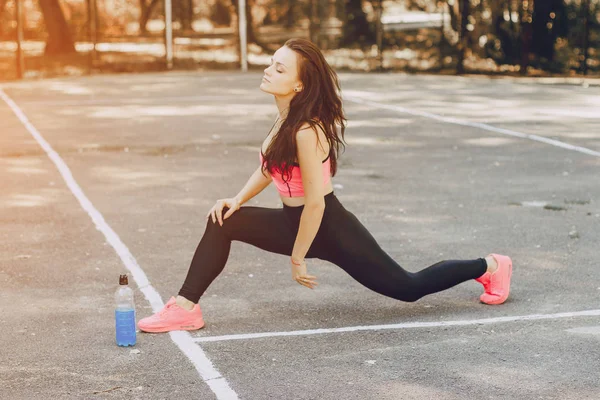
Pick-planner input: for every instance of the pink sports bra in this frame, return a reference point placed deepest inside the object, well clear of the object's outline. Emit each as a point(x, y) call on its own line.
point(294, 187)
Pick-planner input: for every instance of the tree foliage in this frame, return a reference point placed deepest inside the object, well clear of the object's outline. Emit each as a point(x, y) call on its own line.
point(546, 34)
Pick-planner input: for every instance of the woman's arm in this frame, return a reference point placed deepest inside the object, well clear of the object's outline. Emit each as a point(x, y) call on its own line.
point(314, 192)
point(256, 184)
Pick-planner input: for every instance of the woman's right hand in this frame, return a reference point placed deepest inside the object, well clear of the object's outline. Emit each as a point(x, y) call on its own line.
point(217, 210)
point(300, 275)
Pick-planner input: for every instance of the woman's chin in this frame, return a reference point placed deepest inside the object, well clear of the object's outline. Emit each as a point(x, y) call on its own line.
point(262, 87)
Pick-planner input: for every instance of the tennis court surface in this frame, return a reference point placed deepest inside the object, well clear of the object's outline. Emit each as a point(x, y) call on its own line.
point(114, 174)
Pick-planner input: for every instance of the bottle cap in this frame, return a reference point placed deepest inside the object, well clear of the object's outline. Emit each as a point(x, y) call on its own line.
point(123, 280)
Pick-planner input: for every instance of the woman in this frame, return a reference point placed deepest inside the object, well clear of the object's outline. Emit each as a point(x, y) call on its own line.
point(312, 223)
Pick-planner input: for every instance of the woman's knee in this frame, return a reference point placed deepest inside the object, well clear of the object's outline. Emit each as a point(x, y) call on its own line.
point(407, 288)
point(215, 226)
point(222, 216)
point(230, 224)
point(409, 296)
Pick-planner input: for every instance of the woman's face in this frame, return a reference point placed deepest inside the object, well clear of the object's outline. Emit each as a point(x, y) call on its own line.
point(281, 77)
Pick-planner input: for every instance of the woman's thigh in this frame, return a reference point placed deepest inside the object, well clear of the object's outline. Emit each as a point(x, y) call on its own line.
point(266, 228)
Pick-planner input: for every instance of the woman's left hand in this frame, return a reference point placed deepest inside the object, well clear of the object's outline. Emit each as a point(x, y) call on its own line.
point(299, 275)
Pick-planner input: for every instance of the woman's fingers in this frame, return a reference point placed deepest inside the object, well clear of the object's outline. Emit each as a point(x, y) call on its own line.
point(304, 280)
point(300, 281)
point(218, 208)
point(216, 212)
point(220, 215)
point(228, 213)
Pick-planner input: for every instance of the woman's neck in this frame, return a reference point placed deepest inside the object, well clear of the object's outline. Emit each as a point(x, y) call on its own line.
point(283, 114)
point(283, 106)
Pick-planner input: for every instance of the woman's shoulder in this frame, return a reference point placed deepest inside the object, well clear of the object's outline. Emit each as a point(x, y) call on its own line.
point(306, 134)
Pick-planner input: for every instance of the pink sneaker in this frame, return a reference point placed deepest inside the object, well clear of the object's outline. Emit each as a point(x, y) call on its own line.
point(173, 318)
point(497, 285)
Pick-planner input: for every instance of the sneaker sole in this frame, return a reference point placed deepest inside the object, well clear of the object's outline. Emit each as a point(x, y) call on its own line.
point(169, 329)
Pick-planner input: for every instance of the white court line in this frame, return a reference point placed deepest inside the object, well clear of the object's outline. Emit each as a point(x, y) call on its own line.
point(182, 339)
point(127, 101)
point(479, 125)
point(405, 325)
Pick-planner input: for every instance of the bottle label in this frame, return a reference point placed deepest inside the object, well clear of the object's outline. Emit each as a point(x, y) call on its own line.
point(125, 326)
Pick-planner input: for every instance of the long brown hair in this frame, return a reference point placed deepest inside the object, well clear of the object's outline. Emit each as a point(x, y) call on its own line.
point(318, 103)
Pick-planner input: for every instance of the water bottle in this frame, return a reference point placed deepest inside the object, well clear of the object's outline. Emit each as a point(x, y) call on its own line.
point(125, 313)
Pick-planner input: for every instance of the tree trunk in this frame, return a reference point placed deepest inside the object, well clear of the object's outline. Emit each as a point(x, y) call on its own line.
point(189, 5)
point(182, 11)
point(2, 7)
point(290, 14)
point(544, 29)
point(146, 11)
point(497, 10)
point(510, 18)
point(525, 22)
point(60, 40)
point(142, 11)
point(314, 20)
point(462, 43)
point(356, 28)
point(454, 13)
point(249, 23)
point(586, 35)
point(250, 33)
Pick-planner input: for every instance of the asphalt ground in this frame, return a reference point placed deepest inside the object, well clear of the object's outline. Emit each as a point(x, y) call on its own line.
point(436, 168)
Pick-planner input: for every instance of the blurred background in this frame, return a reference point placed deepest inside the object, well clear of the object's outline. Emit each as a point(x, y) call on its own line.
point(44, 38)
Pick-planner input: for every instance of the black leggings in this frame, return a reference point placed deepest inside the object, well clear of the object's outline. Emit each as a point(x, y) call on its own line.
point(341, 240)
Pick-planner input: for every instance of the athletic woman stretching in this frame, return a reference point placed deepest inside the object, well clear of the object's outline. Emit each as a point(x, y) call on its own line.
point(300, 156)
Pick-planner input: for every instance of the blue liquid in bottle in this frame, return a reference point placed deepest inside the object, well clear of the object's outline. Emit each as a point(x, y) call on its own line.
point(125, 314)
point(125, 326)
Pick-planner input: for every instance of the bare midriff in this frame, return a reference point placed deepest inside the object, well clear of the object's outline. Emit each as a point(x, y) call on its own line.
point(299, 201)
